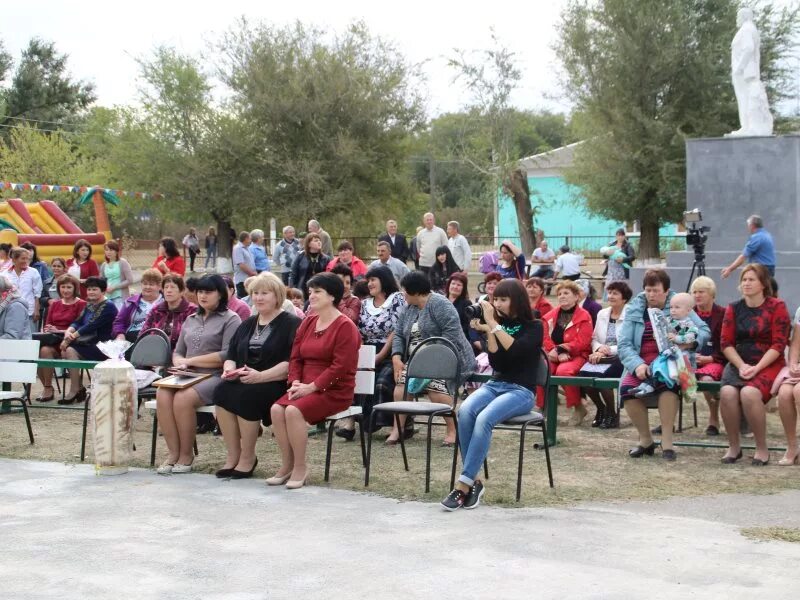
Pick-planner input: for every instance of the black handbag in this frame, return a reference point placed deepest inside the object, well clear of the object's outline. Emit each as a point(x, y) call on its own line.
point(49, 338)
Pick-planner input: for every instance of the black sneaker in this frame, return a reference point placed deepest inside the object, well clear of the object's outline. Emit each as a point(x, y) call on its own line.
point(475, 495)
point(454, 500)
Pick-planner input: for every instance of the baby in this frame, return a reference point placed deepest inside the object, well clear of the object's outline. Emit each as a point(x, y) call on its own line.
point(682, 336)
point(613, 253)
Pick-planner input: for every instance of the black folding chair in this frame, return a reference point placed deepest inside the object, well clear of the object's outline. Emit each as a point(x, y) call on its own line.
point(531, 420)
point(433, 358)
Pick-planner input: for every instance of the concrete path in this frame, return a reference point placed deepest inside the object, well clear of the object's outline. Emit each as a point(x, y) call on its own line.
point(66, 533)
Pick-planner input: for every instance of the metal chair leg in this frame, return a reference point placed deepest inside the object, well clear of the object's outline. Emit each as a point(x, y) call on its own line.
point(428, 457)
point(402, 439)
point(694, 410)
point(369, 447)
point(680, 415)
point(328, 453)
point(155, 438)
point(455, 456)
point(486, 468)
point(360, 423)
point(521, 456)
point(27, 418)
point(194, 446)
point(85, 424)
point(547, 454)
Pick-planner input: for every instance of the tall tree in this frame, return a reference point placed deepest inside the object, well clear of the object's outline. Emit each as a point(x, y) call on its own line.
point(491, 78)
point(332, 114)
point(644, 76)
point(41, 90)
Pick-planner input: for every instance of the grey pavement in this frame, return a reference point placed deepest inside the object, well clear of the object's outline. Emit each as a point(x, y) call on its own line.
point(67, 533)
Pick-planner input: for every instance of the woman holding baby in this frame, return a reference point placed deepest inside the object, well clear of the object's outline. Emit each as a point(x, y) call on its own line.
point(637, 348)
point(254, 374)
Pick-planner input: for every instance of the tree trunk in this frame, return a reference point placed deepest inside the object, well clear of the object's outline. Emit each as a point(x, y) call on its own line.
point(648, 242)
point(224, 241)
point(521, 195)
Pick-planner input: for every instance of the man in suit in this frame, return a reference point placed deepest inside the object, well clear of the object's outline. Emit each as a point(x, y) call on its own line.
point(397, 241)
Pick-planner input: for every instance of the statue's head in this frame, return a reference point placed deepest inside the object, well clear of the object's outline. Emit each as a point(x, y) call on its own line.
point(743, 16)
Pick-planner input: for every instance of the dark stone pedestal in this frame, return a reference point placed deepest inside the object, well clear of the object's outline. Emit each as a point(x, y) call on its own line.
point(729, 179)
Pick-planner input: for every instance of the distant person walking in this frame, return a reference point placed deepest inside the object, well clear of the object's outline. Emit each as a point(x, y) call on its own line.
point(459, 246)
point(211, 248)
point(191, 244)
point(398, 245)
point(327, 244)
point(760, 248)
point(244, 264)
point(429, 239)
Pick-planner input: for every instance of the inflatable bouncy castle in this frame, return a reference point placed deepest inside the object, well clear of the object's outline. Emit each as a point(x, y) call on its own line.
point(53, 233)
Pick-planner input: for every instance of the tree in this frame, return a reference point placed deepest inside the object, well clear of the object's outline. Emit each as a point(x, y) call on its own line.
point(644, 76)
point(41, 90)
point(332, 114)
point(496, 148)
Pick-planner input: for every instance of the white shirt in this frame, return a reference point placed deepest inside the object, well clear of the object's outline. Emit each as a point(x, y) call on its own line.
point(428, 240)
point(547, 255)
point(29, 285)
point(462, 253)
point(569, 264)
point(396, 266)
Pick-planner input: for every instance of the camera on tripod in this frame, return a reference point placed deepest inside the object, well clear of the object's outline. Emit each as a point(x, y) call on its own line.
point(696, 234)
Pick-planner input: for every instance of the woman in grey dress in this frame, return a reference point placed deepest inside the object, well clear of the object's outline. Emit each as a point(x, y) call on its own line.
point(202, 347)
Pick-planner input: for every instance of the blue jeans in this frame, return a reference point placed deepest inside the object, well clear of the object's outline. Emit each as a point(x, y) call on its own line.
point(490, 404)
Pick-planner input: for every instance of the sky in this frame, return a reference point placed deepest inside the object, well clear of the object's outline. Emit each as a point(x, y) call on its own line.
point(103, 39)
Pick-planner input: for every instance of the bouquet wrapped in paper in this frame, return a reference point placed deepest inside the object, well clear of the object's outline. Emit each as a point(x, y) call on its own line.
point(113, 398)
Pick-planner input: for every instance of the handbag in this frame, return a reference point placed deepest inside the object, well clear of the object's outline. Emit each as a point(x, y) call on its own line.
point(49, 338)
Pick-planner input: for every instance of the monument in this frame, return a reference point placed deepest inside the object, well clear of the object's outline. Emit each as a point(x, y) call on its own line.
point(747, 172)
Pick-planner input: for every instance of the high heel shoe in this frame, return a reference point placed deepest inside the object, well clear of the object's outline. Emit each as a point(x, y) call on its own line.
point(345, 433)
point(278, 479)
point(78, 397)
point(296, 484)
point(224, 473)
point(640, 451)
point(244, 474)
point(599, 417)
point(788, 462)
point(729, 460)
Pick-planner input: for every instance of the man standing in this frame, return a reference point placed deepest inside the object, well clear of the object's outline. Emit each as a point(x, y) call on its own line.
point(244, 265)
point(544, 257)
point(28, 283)
point(327, 244)
point(428, 240)
point(385, 259)
point(285, 252)
point(459, 246)
point(397, 241)
point(191, 244)
point(568, 264)
point(759, 248)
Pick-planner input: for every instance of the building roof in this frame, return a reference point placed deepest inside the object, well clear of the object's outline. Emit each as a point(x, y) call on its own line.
point(559, 158)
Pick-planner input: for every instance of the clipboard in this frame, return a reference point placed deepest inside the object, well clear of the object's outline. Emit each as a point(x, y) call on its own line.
point(183, 380)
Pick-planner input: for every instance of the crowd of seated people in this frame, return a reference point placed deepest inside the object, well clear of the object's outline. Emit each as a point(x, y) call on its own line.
point(285, 356)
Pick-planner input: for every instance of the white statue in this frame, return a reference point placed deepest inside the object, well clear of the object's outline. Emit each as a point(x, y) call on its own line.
point(754, 115)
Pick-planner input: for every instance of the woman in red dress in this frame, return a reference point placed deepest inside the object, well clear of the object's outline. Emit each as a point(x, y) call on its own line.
point(322, 377)
point(81, 266)
point(755, 332)
point(169, 259)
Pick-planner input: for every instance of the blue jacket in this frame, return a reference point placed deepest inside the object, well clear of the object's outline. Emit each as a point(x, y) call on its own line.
point(629, 342)
point(260, 257)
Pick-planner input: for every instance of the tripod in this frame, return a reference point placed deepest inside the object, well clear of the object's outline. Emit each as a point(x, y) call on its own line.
point(698, 266)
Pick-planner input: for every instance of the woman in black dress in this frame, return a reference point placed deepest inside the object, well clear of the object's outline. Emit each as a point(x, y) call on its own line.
point(254, 374)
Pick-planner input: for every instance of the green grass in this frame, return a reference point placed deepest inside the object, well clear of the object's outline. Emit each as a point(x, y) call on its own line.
point(772, 534)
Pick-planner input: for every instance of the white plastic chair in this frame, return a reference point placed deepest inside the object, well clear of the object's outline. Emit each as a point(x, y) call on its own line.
point(14, 371)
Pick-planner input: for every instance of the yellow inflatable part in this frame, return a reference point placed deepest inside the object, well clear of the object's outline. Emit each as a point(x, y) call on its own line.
point(44, 221)
point(12, 217)
point(7, 236)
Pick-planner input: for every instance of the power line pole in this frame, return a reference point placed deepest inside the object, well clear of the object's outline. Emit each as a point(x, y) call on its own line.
point(432, 184)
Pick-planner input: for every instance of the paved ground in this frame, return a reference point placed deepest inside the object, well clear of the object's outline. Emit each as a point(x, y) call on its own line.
point(67, 533)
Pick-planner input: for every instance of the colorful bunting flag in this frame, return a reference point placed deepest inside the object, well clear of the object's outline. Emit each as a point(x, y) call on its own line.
point(38, 187)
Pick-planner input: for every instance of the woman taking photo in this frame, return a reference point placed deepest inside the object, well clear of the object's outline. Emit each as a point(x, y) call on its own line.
point(788, 383)
point(117, 272)
point(637, 348)
point(427, 315)
point(710, 360)
point(61, 314)
point(308, 263)
point(568, 341)
point(322, 376)
point(514, 343)
point(755, 332)
point(442, 269)
point(202, 347)
point(536, 298)
point(512, 262)
point(377, 322)
point(81, 266)
point(81, 337)
point(169, 315)
point(254, 374)
point(169, 259)
point(604, 362)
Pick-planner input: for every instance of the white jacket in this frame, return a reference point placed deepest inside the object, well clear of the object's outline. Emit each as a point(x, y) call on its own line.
point(601, 328)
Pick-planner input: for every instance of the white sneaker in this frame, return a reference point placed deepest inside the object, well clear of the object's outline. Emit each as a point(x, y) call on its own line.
point(179, 468)
point(165, 469)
